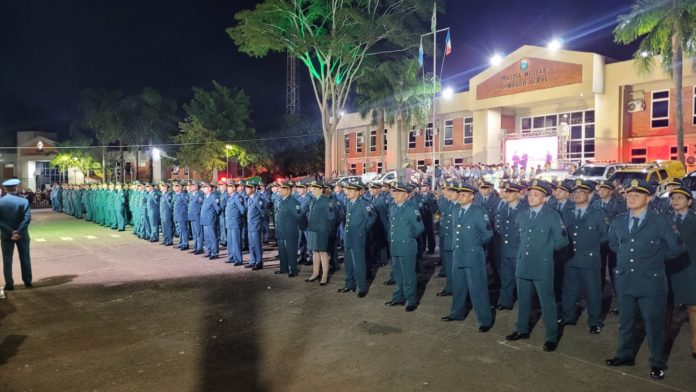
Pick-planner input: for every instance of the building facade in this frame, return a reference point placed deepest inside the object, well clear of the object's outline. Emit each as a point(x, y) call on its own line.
point(539, 104)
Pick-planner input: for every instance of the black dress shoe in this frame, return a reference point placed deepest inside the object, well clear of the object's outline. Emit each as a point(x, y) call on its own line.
point(550, 346)
point(484, 328)
point(389, 283)
point(614, 311)
point(215, 257)
point(182, 249)
point(311, 279)
point(595, 330)
point(392, 303)
point(248, 266)
point(28, 285)
point(411, 308)
point(237, 264)
point(279, 272)
point(361, 294)
point(345, 290)
point(447, 319)
point(503, 307)
point(323, 283)
point(197, 252)
point(517, 336)
point(616, 361)
point(693, 355)
point(441, 276)
point(9, 288)
point(563, 323)
point(657, 373)
point(443, 293)
point(256, 267)
point(292, 274)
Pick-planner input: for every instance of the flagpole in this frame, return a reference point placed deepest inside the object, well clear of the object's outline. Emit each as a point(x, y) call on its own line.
point(432, 130)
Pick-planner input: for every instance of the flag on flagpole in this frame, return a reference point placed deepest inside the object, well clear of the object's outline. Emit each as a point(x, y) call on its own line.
point(433, 21)
point(448, 44)
point(420, 54)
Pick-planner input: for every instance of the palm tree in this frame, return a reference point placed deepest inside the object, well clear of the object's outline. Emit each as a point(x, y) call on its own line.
point(394, 91)
point(666, 28)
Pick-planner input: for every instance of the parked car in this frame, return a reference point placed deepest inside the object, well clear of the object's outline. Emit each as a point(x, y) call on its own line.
point(689, 181)
point(659, 172)
point(368, 177)
point(389, 176)
point(598, 171)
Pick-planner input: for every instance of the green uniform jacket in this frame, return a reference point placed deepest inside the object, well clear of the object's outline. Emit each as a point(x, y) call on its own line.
point(539, 238)
point(405, 224)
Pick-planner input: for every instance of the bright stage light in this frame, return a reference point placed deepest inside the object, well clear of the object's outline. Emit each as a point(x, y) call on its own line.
point(644, 54)
point(555, 44)
point(496, 60)
point(447, 93)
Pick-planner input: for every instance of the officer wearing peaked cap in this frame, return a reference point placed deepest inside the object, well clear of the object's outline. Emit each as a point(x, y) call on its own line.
point(359, 219)
point(235, 211)
point(180, 214)
point(447, 202)
point(195, 204)
point(166, 212)
point(405, 225)
point(257, 209)
point(15, 216)
point(507, 228)
point(287, 221)
point(471, 231)
point(612, 206)
point(587, 227)
point(153, 211)
point(210, 211)
point(222, 226)
point(642, 240)
point(541, 233)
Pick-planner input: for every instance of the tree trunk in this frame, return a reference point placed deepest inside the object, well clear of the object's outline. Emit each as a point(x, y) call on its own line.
point(380, 127)
point(678, 91)
point(328, 154)
point(123, 168)
point(137, 162)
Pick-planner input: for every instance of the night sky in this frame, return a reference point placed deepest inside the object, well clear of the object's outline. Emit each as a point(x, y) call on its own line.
point(51, 50)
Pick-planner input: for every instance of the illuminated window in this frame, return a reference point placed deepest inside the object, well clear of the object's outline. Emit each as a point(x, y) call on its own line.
point(373, 140)
point(449, 132)
point(360, 141)
point(581, 145)
point(384, 142)
point(347, 143)
point(659, 112)
point(674, 152)
point(468, 130)
point(639, 155)
point(412, 139)
point(429, 135)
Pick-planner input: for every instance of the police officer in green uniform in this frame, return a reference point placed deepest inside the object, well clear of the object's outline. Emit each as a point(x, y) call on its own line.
point(642, 240)
point(120, 203)
point(359, 220)
point(405, 226)
point(541, 233)
point(682, 271)
point(287, 228)
point(471, 232)
point(587, 226)
point(447, 202)
point(507, 227)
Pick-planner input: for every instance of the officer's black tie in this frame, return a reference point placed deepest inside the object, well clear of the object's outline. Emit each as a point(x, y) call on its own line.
point(634, 228)
point(533, 215)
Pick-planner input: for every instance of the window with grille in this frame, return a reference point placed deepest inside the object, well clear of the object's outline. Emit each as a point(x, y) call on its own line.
point(412, 139)
point(639, 155)
point(659, 109)
point(373, 140)
point(449, 132)
point(359, 142)
point(468, 130)
point(429, 135)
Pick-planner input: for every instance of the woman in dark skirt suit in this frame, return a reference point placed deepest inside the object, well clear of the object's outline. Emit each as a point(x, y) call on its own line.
point(319, 227)
point(682, 270)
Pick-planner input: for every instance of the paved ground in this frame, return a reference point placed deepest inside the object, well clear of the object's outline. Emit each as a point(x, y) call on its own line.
point(114, 313)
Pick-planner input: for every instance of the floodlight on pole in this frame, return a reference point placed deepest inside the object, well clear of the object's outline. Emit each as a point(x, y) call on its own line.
point(447, 93)
point(496, 60)
point(555, 44)
point(644, 54)
point(228, 147)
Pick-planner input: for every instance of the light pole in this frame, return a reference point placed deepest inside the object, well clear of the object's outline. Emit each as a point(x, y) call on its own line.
point(227, 160)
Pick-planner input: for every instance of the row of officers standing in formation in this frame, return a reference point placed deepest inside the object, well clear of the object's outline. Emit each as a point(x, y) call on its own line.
point(558, 240)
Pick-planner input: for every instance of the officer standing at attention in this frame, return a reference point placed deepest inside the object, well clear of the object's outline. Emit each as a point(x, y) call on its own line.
point(507, 227)
point(430, 208)
point(209, 220)
point(405, 225)
point(642, 240)
point(541, 233)
point(587, 226)
point(166, 212)
point(120, 204)
point(682, 271)
point(153, 208)
point(180, 201)
point(320, 225)
point(222, 228)
point(305, 200)
point(359, 219)
point(256, 210)
point(194, 217)
point(15, 216)
point(471, 231)
point(612, 206)
point(287, 229)
point(447, 203)
point(234, 221)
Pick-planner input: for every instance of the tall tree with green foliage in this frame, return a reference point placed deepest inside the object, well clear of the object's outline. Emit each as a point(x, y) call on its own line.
point(215, 118)
point(666, 30)
point(332, 39)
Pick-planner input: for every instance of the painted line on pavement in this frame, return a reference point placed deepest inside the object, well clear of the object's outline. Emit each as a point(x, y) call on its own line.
point(91, 237)
point(66, 238)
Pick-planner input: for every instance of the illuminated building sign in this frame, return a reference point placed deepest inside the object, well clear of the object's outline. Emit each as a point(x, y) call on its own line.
point(529, 74)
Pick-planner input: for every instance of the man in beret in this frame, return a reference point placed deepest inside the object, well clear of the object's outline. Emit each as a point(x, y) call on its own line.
point(642, 240)
point(541, 233)
point(15, 216)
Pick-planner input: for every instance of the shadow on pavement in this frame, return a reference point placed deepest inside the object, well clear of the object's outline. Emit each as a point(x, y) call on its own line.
point(9, 347)
point(54, 280)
